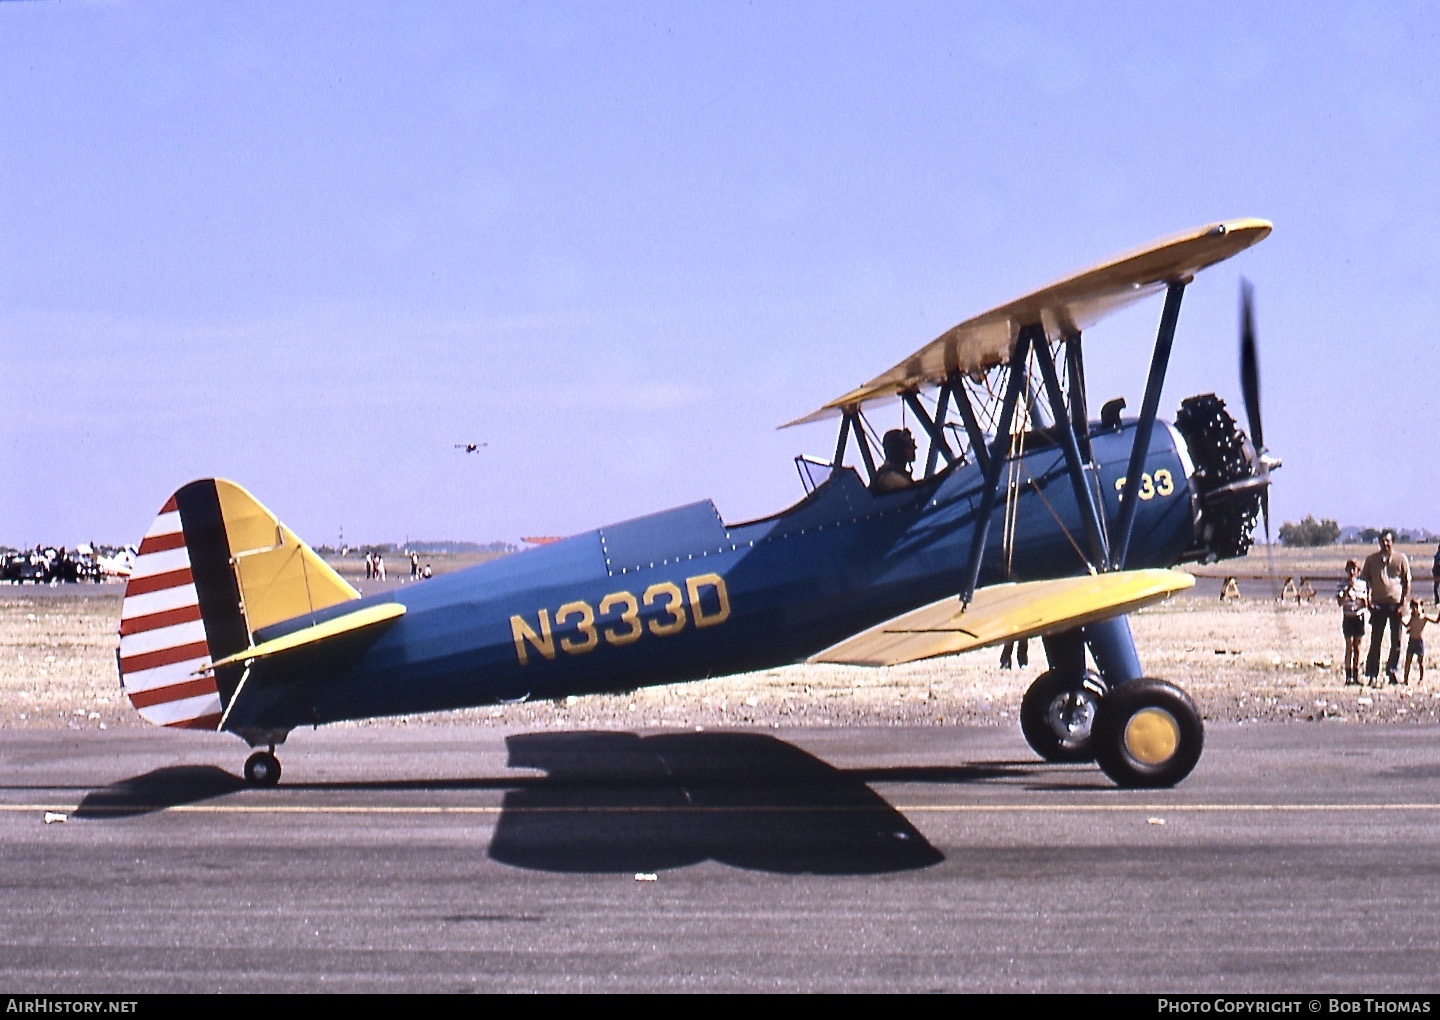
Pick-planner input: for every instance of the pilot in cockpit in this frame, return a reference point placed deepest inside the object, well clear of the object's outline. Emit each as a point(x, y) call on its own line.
point(894, 474)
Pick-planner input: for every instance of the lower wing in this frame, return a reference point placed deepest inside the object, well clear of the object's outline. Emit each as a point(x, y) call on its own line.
point(1004, 612)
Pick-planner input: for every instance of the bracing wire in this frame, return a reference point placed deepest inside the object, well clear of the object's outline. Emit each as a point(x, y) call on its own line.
point(1020, 429)
point(1012, 472)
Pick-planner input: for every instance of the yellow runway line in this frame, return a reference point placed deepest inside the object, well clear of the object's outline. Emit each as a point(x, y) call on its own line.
point(958, 809)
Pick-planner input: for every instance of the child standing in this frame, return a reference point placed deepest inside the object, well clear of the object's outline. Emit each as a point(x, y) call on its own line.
point(1353, 596)
point(1415, 647)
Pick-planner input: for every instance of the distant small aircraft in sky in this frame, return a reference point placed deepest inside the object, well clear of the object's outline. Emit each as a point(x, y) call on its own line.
point(470, 447)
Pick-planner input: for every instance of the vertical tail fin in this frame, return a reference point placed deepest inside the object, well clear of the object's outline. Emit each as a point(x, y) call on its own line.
point(215, 567)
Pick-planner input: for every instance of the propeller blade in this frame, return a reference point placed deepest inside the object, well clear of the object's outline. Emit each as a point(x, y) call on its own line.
point(1250, 365)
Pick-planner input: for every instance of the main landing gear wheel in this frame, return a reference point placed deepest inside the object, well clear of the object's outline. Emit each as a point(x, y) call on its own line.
point(262, 769)
point(1057, 715)
point(1147, 733)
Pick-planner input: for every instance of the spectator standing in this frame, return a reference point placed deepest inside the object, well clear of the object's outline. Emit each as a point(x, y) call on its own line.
point(1435, 574)
point(1019, 650)
point(1387, 575)
point(1353, 598)
point(1415, 647)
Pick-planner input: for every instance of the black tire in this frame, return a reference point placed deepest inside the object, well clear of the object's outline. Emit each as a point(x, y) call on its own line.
point(262, 769)
point(1147, 734)
point(1057, 715)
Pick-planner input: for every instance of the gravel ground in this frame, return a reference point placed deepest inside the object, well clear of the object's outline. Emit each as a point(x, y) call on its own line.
point(1241, 661)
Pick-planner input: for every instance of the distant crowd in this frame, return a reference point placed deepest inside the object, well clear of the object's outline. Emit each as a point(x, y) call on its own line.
point(375, 567)
point(54, 565)
point(1380, 589)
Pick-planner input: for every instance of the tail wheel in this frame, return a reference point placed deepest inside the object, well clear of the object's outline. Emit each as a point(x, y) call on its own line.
point(262, 769)
point(1147, 733)
point(1057, 715)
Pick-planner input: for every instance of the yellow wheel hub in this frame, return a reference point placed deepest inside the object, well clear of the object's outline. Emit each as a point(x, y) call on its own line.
point(1152, 736)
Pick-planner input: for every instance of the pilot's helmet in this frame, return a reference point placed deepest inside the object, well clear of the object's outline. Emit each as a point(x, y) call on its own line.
point(899, 446)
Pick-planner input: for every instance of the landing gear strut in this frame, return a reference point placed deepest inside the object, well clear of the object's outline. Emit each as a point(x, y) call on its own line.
point(262, 768)
point(1141, 732)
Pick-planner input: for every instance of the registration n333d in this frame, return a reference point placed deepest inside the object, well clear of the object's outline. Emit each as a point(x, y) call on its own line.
point(622, 618)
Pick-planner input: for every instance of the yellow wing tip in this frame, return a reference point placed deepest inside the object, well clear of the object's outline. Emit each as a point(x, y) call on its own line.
point(1260, 229)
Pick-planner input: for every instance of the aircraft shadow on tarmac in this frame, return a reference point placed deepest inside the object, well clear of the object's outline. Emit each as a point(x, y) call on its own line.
point(622, 802)
point(155, 791)
point(625, 802)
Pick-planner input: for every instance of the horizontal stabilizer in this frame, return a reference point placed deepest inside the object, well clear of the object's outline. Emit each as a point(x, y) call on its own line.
point(1003, 612)
point(367, 617)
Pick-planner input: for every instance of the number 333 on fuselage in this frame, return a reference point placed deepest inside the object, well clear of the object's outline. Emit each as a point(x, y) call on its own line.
point(1018, 526)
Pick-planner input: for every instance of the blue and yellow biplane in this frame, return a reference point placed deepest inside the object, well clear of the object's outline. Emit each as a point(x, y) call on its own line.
point(1028, 520)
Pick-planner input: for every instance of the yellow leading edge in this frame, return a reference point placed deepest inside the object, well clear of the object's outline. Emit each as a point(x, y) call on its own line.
point(367, 617)
point(1003, 612)
point(1067, 306)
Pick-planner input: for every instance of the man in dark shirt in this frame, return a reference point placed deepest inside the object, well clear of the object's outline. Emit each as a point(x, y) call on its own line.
point(894, 474)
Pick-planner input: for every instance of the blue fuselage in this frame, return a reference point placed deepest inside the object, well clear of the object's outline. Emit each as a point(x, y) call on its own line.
point(681, 596)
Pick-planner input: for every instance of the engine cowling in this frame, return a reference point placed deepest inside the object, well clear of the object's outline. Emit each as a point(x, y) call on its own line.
point(1228, 478)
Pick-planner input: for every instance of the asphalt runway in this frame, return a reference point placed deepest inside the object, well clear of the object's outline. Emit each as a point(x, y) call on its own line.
point(1298, 858)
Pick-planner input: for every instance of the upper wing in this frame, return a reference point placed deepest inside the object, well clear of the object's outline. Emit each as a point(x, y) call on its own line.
point(1002, 612)
point(1066, 306)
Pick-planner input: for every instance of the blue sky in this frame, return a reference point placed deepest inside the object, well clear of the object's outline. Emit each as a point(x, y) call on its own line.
point(311, 247)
